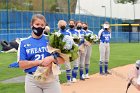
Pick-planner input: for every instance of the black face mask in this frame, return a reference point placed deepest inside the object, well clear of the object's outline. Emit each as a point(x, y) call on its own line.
point(137, 68)
point(79, 27)
point(85, 28)
point(105, 28)
point(37, 31)
point(63, 27)
point(71, 26)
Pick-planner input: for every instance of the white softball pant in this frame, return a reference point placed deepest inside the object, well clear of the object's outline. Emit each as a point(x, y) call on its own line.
point(32, 86)
point(88, 54)
point(75, 63)
point(104, 52)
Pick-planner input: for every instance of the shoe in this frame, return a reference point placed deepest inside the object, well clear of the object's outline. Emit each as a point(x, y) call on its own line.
point(86, 76)
point(83, 76)
point(102, 73)
point(68, 83)
point(74, 80)
point(108, 73)
point(83, 79)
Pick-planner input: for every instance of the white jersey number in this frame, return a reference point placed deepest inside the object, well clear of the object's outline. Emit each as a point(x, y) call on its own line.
point(38, 57)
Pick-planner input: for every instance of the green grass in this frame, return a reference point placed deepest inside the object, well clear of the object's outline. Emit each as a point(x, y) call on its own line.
point(5, 60)
point(121, 54)
point(12, 88)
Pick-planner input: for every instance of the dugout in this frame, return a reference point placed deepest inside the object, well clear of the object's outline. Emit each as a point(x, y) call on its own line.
point(130, 32)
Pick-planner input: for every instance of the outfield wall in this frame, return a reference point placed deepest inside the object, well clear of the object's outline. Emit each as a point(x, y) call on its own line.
point(15, 23)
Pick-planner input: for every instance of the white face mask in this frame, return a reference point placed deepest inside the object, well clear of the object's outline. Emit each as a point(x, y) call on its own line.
point(106, 25)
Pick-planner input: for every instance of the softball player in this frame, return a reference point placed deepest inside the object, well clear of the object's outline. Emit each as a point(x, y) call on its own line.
point(81, 53)
point(88, 50)
point(32, 52)
point(62, 29)
point(104, 47)
point(73, 33)
point(135, 76)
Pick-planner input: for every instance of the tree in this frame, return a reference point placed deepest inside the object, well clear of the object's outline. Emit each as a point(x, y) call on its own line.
point(127, 1)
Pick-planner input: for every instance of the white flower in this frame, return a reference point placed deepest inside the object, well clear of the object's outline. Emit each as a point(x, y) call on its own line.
point(69, 42)
point(57, 33)
point(92, 37)
point(96, 38)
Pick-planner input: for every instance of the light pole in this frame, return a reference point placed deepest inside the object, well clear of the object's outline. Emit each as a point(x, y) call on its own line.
point(105, 11)
point(134, 10)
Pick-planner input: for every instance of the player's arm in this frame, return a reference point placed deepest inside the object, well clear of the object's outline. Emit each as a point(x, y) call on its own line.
point(22, 58)
point(24, 64)
point(99, 33)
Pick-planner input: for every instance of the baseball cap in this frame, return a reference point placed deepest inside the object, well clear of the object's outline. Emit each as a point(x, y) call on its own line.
point(106, 25)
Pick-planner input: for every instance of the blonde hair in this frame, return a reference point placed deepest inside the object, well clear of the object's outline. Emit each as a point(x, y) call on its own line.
point(60, 22)
point(38, 16)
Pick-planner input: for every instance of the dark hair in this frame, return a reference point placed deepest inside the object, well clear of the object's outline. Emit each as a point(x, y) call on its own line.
point(72, 20)
point(85, 23)
point(78, 22)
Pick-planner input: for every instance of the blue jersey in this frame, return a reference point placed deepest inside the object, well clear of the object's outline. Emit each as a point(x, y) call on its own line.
point(104, 36)
point(73, 32)
point(82, 33)
point(33, 49)
point(89, 32)
point(64, 32)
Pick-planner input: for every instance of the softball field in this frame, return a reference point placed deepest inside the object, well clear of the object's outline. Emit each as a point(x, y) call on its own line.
point(115, 83)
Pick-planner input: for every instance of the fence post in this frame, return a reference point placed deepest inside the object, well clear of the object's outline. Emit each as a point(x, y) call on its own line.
point(69, 10)
point(138, 33)
point(42, 7)
point(7, 20)
point(130, 28)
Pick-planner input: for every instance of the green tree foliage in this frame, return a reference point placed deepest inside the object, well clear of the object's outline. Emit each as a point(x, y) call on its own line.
point(36, 5)
point(127, 1)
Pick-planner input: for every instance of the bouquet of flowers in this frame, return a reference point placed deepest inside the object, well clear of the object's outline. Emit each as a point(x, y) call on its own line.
point(76, 39)
point(91, 38)
point(65, 47)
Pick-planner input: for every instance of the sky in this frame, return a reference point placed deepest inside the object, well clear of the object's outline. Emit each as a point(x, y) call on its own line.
point(94, 7)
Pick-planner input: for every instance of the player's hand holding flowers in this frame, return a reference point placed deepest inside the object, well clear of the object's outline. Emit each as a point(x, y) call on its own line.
point(90, 38)
point(59, 46)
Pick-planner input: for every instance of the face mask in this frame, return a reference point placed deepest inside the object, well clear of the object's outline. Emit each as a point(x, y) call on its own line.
point(37, 31)
point(62, 27)
point(79, 27)
point(71, 26)
point(85, 28)
point(105, 28)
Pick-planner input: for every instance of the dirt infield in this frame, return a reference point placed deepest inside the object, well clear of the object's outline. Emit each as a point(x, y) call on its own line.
point(115, 83)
